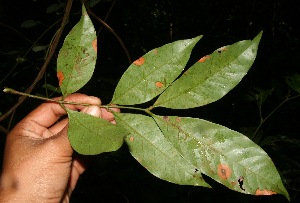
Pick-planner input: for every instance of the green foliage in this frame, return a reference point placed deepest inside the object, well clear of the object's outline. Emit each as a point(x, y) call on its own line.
point(149, 146)
point(90, 135)
point(223, 154)
point(294, 82)
point(77, 57)
point(151, 74)
point(221, 71)
point(175, 149)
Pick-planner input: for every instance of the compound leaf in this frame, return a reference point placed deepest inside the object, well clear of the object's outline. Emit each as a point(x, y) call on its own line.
point(151, 74)
point(225, 155)
point(151, 149)
point(91, 135)
point(212, 77)
point(77, 57)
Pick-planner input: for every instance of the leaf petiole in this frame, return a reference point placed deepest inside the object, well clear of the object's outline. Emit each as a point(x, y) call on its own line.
point(12, 91)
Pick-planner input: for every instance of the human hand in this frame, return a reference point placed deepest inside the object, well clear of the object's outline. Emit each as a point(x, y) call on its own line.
point(38, 164)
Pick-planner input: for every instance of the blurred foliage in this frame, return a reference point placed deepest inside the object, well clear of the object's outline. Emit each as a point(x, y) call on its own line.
point(27, 28)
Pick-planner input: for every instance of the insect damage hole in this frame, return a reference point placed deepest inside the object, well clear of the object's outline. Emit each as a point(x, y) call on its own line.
point(241, 182)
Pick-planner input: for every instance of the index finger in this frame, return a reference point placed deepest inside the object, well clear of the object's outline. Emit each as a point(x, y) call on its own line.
point(49, 112)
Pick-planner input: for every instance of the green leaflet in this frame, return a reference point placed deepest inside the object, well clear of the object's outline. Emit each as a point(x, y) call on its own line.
point(212, 77)
point(77, 57)
point(294, 82)
point(151, 149)
point(151, 74)
point(91, 135)
point(223, 154)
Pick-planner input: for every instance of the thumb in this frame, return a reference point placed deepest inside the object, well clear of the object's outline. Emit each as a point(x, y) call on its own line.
point(92, 110)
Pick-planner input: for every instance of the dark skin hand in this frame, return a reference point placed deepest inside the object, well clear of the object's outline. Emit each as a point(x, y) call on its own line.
point(39, 164)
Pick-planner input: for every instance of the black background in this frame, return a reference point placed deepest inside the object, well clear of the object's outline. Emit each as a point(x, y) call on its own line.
point(144, 25)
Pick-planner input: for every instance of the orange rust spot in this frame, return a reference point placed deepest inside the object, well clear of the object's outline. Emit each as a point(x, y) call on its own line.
point(233, 183)
point(60, 77)
point(155, 51)
point(203, 59)
point(264, 192)
point(222, 49)
point(139, 61)
point(224, 171)
point(178, 119)
point(131, 139)
point(166, 118)
point(159, 84)
point(94, 44)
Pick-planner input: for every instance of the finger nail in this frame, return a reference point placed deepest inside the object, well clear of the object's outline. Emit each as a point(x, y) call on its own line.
point(93, 110)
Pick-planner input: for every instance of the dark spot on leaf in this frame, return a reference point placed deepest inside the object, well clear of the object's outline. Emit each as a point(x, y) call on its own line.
point(224, 171)
point(203, 59)
point(139, 61)
point(264, 192)
point(241, 182)
point(196, 170)
point(159, 84)
point(94, 44)
point(60, 77)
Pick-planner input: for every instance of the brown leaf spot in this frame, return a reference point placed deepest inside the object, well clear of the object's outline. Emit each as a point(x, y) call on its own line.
point(203, 59)
point(166, 118)
point(94, 44)
point(60, 77)
point(224, 171)
point(220, 50)
point(178, 119)
point(159, 84)
point(264, 192)
point(139, 61)
point(155, 51)
point(233, 183)
point(131, 139)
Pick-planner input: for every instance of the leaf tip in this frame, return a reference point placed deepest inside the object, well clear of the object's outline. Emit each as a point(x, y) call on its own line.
point(258, 37)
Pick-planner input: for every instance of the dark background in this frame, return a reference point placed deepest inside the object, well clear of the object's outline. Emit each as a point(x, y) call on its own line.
point(144, 25)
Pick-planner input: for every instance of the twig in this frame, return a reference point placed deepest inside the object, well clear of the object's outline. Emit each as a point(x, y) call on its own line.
point(47, 61)
point(16, 31)
point(110, 29)
point(109, 11)
point(263, 120)
point(24, 56)
point(12, 91)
